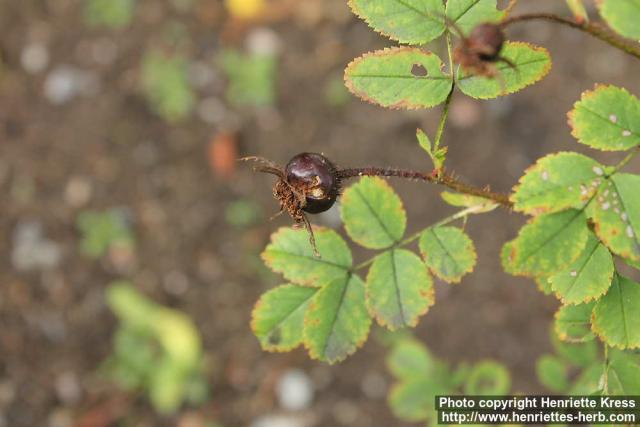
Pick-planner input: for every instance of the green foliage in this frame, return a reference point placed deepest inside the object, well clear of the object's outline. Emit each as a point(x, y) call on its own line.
point(469, 13)
point(109, 13)
point(622, 16)
point(616, 316)
point(448, 252)
point(438, 155)
point(488, 378)
point(251, 78)
point(552, 373)
point(166, 86)
point(607, 118)
point(102, 231)
point(573, 322)
point(623, 373)
point(156, 349)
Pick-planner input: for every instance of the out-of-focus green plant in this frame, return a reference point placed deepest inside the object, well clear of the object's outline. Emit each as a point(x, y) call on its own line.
point(165, 84)
point(251, 78)
point(242, 213)
point(102, 230)
point(155, 349)
point(109, 13)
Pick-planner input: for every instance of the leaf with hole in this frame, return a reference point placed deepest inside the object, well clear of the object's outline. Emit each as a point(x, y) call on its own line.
point(373, 214)
point(557, 182)
point(573, 322)
point(531, 63)
point(588, 278)
point(547, 244)
point(448, 252)
point(616, 316)
point(336, 323)
point(606, 118)
point(622, 16)
point(400, 77)
point(399, 289)
point(278, 317)
point(291, 254)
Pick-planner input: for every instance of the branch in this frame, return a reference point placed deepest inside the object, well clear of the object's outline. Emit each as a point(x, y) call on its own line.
point(596, 30)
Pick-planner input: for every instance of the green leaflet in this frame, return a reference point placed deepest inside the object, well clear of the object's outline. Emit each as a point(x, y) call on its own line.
point(622, 16)
point(588, 278)
point(616, 214)
point(410, 358)
point(547, 244)
point(623, 373)
point(448, 252)
point(399, 289)
point(399, 77)
point(488, 378)
point(616, 316)
point(580, 354)
point(573, 322)
point(413, 400)
point(278, 317)
point(552, 373)
point(336, 322)
point(373, 214)
point(606, 118)
point(290, 253)
point(532, 64)
point(406, 21)
point(557, 182)
point(469, 13)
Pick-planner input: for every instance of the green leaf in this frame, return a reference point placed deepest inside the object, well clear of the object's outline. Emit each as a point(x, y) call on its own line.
point(547, 244)
point(406, 21)
point(469, 13)
point(616, 316)
point(616, 214)
point(438, 155)
point(109, 13)
point(573, 322)
point(552, 373)
point(337, 322)
point(488, 378)
point(400, 77)
point(278, 317)
point(622, 16)
point(543, 284)
point(588, 278)
point(589, 381)
point(623, 373)
point(413, 400)
point(399, 289)
point(579, 12)
point(448, 252)
point(291, 254)
point(373, 214)
point(467, 201)
point(251, 77)
point(578, 354)
point(557, 182)
point(606, 118)
point(409, 359)
point(532, 64)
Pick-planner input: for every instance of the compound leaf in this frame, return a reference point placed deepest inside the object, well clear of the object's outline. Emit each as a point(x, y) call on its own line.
point(622, 16)
point(336, 322)
point(552, 373)
point(373, 214)
point(588, 278)
point(448, 252)
point(488, 378)
point(278, 317)
point(400, 77)
point(399, 289)
point(406, 21)
point(616, 316)
point(573, 322)
point(531, 63)
point(623, 373)
point(616, 214)
point(291, 254)
point(606, 118)
point(557, 182)
point(469, 13)
point(547, 244)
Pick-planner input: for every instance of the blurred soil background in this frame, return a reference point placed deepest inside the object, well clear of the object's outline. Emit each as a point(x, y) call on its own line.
point(120, 123)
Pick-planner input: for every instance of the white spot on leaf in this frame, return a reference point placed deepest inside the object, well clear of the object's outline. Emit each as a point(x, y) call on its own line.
point(598, 170)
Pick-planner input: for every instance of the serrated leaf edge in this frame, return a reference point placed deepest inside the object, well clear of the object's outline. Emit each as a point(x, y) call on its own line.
point(455, 279)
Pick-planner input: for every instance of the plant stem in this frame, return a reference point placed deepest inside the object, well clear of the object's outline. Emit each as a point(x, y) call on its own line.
point(440, 178)
point(626, 160)
point(598, 31)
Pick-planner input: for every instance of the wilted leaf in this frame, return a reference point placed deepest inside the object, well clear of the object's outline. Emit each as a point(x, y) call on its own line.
point(606, 118)
point(616, 316)
point(278, 317)
point(622, 16)
point(557, 182)
point(552, 373)
point(291, 254)
point(400, 77)
point(573, 322)
point(448, 252)
point(399, 289)
point(588, 278)
point(469, 13)
point(488, 378)
point(337, 322)
point(373, 214)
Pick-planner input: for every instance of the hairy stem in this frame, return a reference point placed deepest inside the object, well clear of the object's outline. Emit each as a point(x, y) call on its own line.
point(441, 178)
point(598, 31)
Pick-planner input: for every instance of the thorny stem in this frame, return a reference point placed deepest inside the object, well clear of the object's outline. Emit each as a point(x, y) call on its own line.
point(596, 30)
point(441, 178)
